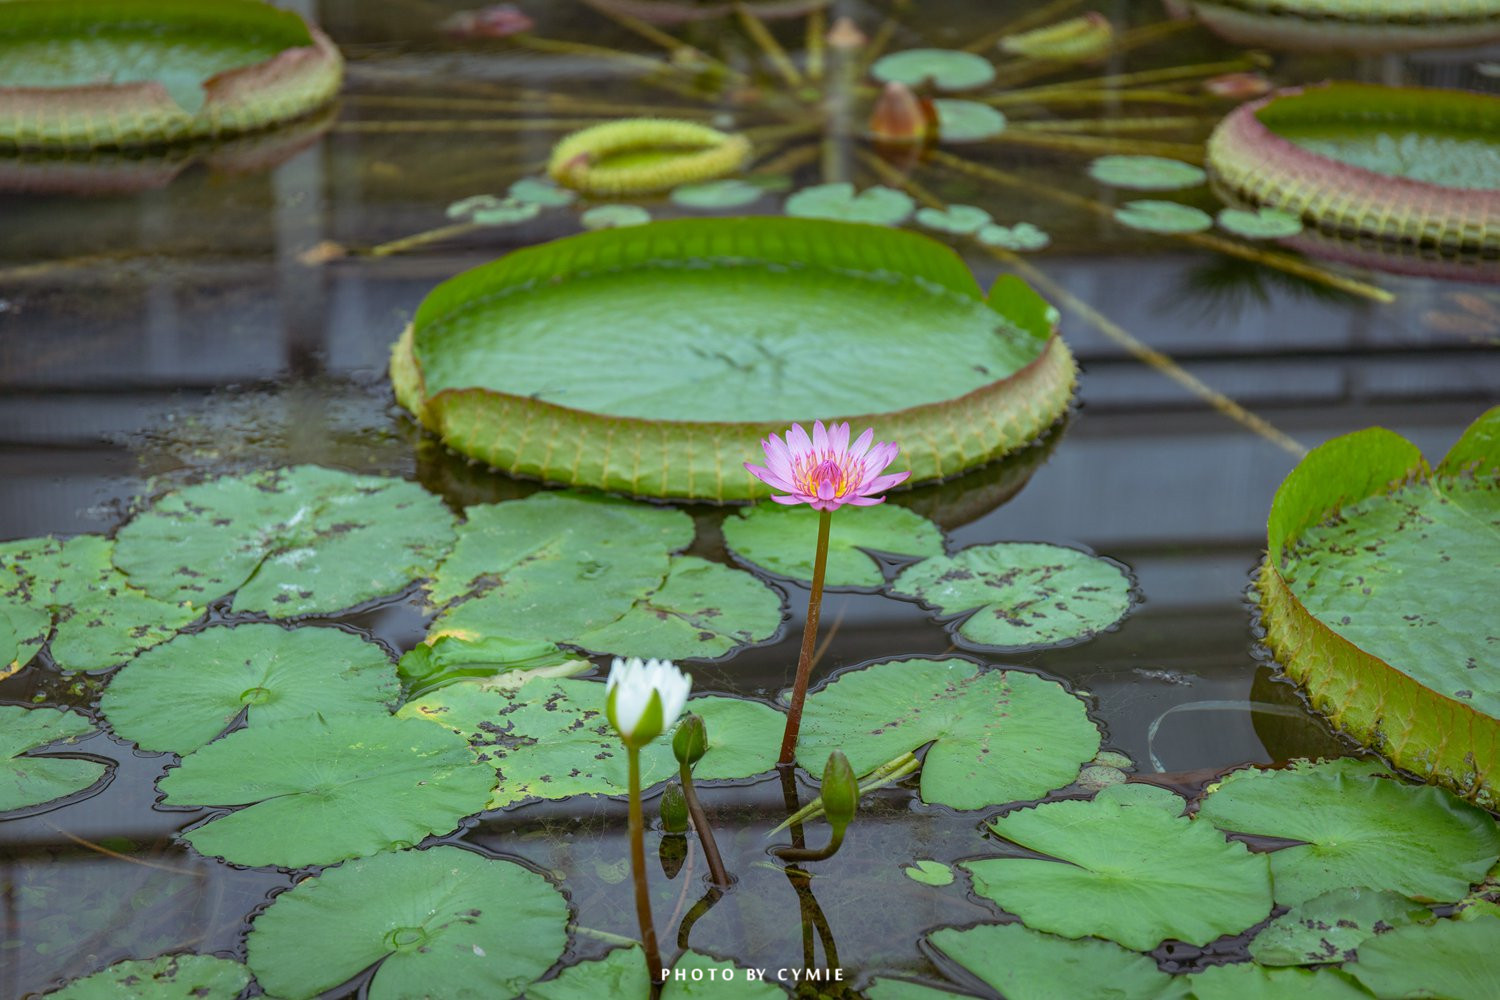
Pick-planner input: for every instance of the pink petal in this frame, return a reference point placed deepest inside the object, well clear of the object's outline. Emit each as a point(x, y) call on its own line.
point(778, 459)
point(820, 436)
point(767, 476)
point(866, 501)
point(881, 483)
point(797, 440)
point(838, 437)
point(788, 500)
point(862, 444)
point(881, 455)
point(827, 504)
point(825, 490)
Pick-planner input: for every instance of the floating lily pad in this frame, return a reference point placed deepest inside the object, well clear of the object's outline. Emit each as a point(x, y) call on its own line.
point(286, 542)
point(1146, 173)
point(1024, 964)
point(1357, 829)
point(269, 673)
point(34, 779)
point(614, 217)
point(1263, 224)
point(1163, 217)
point(929, 872)
point(886, 988)
point(961, 219)
point(23, 627)
point(783, 540)
point(527, 374)
point(83, 74)
point(880, 206)
point(537, 191)
point(480, 927)
point(1454, 959)
point(1250, 982)
point(1135, 870)
point(946, 69)
point(1022, 236)
point(170, 977)
point(1020, 593)
point(488, 210)
point(1001, 735)
point(550, 738)
point(621, 975)
point(496, 661)
point(1368, 592)
point(1331, 927)
point(315, 792)
point(100, 619)
point(967, 121)
point(717, 194)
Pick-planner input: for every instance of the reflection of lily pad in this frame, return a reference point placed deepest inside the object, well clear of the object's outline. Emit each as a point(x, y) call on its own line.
point(1357, 829)
point(880, 206)
point(1163, 217)
point(316, 792)
point(1264, 224)
point(1024, 964)
point(1455, 959)
point(1135, 870)
point(1021, 236)
point(967, 121)
point(621, 975)
point(782, 540)
point(170, 977)
point(717, 194)
point(1246, 981)
point(1001, 735)
point(550, 738)
point(947, 69)
point(961, 219)
point(1368, 591)
point(267, 672)
point(614, 217)
point(1146, 173)
point(287, 542)
point(1022, 593)
point(31, 780)
point(476, 926)
point(1330, 927)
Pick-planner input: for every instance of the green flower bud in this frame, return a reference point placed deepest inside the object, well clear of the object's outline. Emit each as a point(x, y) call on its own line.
point(840, 792)
point(674, 809)
point(690, 742)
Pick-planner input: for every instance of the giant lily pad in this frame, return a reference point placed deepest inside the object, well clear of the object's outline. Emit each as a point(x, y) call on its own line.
point(315, 792)
point(550, 738)
point(71, 585)
point(1357, 829)
point(783, 540)
point(1454, 959)
point(287, 542)
point(1368, 598)
point(31, 779)
point(267, 672)
point(1019, 594)
point(94, 74)
point(1363, 26)
point(1024, 964)
point(444, 917)
point(998, 735)
point(652, 360)
point(170, 977)
point(1331, 927)
point(1134, 870)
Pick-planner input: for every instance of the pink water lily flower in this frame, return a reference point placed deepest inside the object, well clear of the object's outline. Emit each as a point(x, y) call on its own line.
point(825, 470)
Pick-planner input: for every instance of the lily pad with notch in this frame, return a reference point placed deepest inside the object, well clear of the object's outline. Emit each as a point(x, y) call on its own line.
point(965, 220)
point(1018, 595)
point(781, 539)
point(1146, 173)
point(1262, 224)
point(946, 69)
point(1020, 237)
point(997, 735)
point(1331, 927)
point(1455, 959)
point(877, 205)
point(730, 193)
point(169, 977)
point(1166, 217)
point(1025, 964)
point(31, 776)
point(482, 927)
point(967, 121)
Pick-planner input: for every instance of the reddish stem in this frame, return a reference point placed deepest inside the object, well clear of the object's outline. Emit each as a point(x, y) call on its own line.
point(809, 640)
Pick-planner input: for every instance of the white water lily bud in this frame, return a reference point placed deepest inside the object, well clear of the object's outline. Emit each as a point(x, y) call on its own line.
point(643, 698)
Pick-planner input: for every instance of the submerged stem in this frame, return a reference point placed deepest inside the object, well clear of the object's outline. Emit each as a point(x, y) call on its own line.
point(705, 832)
point(794, 854)
point(809, 639)
point(638, 867)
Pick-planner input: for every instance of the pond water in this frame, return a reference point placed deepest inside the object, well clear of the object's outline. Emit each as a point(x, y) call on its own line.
point(231, 317)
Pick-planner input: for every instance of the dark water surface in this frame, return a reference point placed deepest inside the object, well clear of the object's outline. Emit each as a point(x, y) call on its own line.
point(154, 338)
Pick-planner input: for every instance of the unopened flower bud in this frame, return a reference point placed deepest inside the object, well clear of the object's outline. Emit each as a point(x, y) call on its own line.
point(690, 742)
point(840, 792)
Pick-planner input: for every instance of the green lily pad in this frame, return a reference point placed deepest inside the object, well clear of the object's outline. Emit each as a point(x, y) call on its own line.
point(1250, 982)
point(1024, 964)
point(621, 975)
point(100, 620)
point(315, 792)
point(1262, 224)
point(717, 194)
point(476, 926)
point(1136, 871)
point(880, 206)
point(1331, 927)
point(1146, 173)
point(1001, 735)
point(1367, 598)
point(550, 739)
point(947, 69)
point(1020, 594)
point(885, 988)
point(269, 673)
point(961, 219)
point(1022, 236)
point(1357, 829)
point(23, 627)
point(286, 542)
point(507, 212)
point(539, 191)
point(496, 661)
point(170, 977)
point(1163, 217)
point(967, 121)
point(929, 872)
point(31, 780)
point(614, 217)
point(782, 540)
point(1077, 39)
point(1453, 959)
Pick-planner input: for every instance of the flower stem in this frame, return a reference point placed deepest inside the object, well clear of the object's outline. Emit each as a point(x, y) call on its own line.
point(705, 832)
point(798, 854)
point(809, 639)
point(638, 867)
